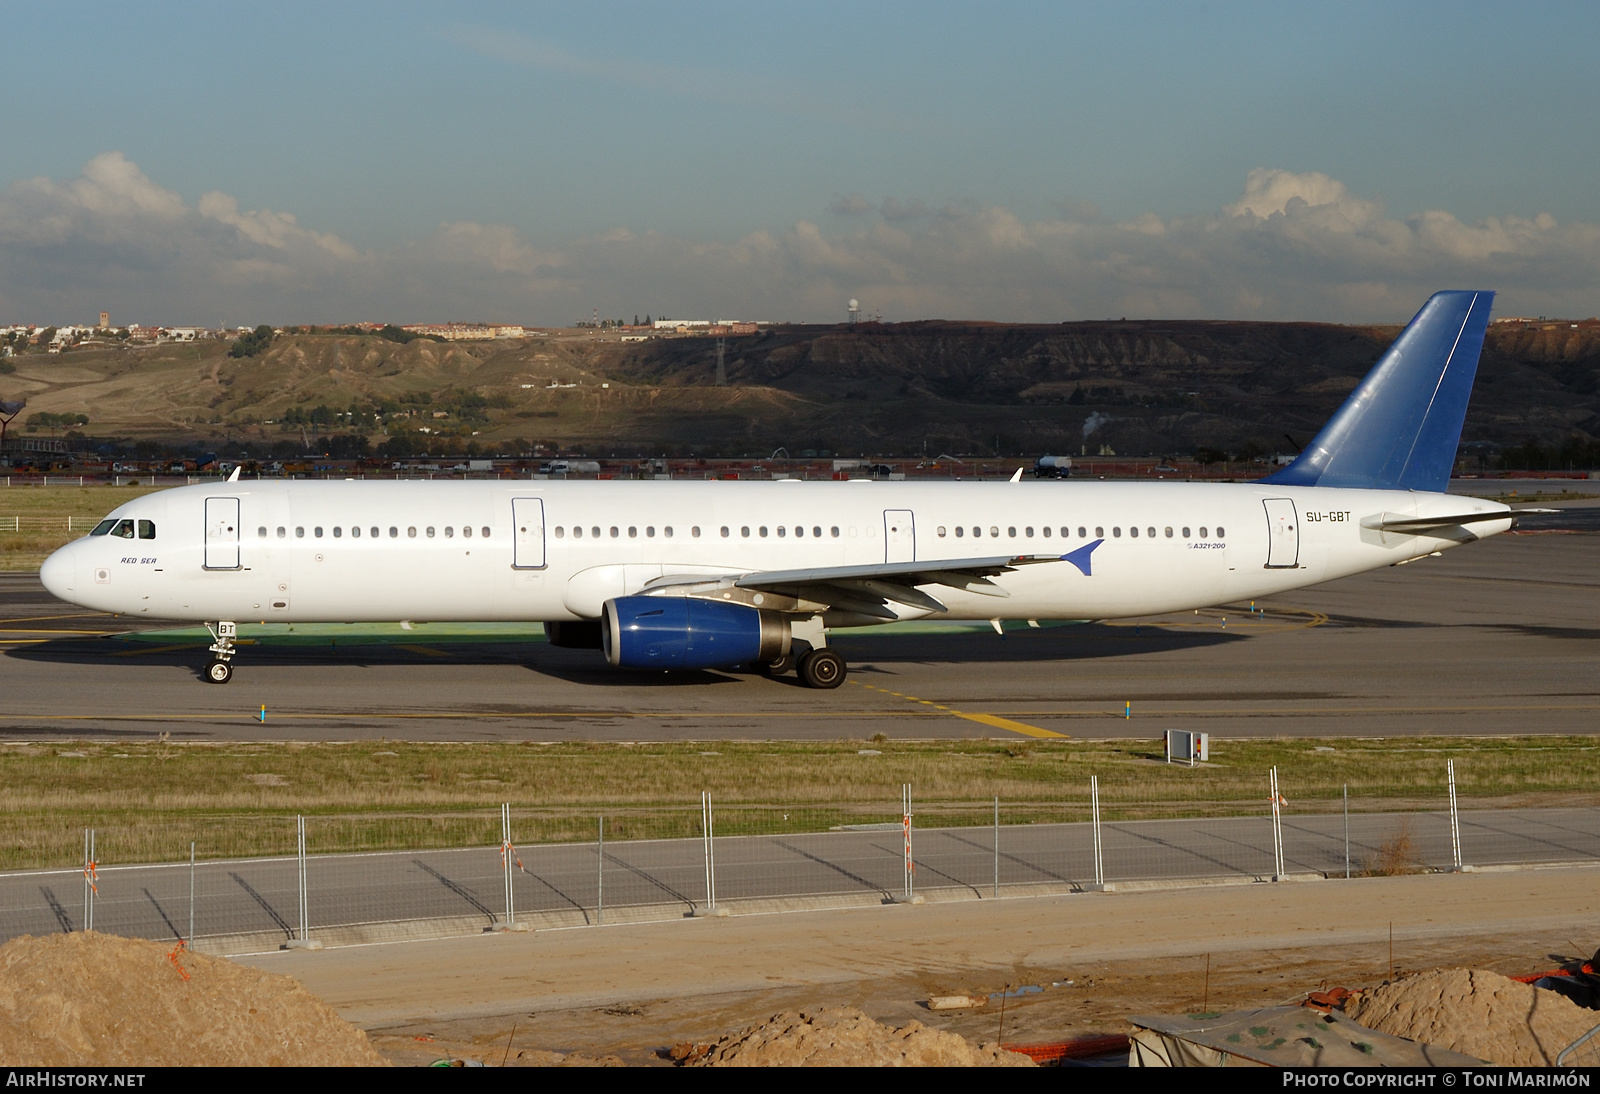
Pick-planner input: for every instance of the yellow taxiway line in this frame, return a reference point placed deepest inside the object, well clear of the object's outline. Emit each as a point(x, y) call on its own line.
point(991, 720)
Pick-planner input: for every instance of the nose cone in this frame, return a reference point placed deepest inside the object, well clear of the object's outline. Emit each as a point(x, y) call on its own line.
point(60, 573)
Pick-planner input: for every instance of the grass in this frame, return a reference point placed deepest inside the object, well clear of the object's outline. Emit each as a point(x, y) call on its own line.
point(148, 800)
point(34, 519)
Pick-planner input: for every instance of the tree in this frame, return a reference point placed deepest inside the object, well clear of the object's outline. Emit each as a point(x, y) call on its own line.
point(252, 344)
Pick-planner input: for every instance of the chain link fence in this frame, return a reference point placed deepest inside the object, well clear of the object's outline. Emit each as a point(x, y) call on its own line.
point(520, 868)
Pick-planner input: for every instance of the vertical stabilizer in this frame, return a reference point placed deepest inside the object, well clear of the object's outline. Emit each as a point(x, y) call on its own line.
point(1400, 427)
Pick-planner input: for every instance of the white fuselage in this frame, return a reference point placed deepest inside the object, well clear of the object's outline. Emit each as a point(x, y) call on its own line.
point(552, 550)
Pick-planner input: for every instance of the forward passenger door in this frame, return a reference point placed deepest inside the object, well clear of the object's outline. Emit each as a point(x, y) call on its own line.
point(222, 534)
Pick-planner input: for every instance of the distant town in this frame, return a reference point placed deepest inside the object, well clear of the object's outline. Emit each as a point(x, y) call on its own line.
point(56, 338)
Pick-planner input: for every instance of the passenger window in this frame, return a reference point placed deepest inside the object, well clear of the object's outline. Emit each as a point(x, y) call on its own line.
point(633, 532)
point(317, 531)
point(1116, 532)
point(782, 531)
point(1099, 533)
point(1202, 531)
point(430, 532)
point(725, 532)
point(1029, 531)
point(1134, 531)
point(960, 531)
point(817, 533)
point(105, 526)
point(995, 532)
point(1012, 532)
point(1046, 532)
point(394, 533)
point(261, 532)
point(124, 529)
point(466, 530)
point(355, 531)
point(411, 532)
point(799, 531)
point(484, 531)
point(649, 531)
point(940, 531)
point(560, 532)
point(1186, 532)
point(282, 531)
point(147, 529)
point(1169, 533)
point(763, 530)
point(976, 531)
point(667, 531)
point(1221, 532)
point(835, 531)
point(1083, 533)
point(1151, 532)
point(615, 531)
point(374, 532)
point(299, 531)
point(594, 531)
point(745, 532)
point(337, 531)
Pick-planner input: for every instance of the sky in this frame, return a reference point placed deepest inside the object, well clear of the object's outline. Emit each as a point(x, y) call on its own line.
point(314, 163)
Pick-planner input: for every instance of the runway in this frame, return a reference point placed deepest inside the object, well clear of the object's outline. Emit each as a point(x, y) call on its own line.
point(1492, 638)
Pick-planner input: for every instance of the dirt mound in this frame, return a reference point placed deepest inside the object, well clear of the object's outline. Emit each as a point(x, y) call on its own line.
point(87, 999)
point(1480, 1013)
point(845, 1037)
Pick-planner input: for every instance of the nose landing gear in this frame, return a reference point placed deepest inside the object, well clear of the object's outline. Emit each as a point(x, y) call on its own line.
point(220, 671)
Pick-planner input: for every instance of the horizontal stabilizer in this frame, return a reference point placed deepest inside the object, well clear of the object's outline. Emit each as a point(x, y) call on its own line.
point(1395, 522)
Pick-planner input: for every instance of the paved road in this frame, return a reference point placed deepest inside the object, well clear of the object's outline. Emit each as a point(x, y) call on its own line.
point(1493, 638)
point(260, 896)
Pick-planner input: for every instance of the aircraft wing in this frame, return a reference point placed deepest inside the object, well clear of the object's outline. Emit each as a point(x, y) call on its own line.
point(866, 590)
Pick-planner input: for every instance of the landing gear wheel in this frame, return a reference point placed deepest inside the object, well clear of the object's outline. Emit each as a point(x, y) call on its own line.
point(822, 669)
point(219, 672)
point(780, 667)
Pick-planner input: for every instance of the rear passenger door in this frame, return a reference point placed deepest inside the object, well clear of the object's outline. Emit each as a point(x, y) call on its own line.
point(1283, 534)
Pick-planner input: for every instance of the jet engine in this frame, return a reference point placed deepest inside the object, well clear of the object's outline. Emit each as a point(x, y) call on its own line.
point(680, 632)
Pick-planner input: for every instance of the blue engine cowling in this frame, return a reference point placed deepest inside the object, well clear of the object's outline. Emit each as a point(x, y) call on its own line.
point(680, 632)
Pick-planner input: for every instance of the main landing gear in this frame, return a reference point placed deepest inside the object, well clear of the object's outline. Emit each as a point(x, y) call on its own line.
point(220, 671)
point(818, 668)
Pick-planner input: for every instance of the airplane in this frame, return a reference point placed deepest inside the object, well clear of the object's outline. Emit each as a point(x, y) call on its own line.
point(712, 575)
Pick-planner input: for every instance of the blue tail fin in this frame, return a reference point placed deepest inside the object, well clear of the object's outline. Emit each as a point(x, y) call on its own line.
point(1399, 429)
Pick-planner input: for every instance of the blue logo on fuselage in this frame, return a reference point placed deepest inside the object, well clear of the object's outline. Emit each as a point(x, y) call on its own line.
point(1080, 557)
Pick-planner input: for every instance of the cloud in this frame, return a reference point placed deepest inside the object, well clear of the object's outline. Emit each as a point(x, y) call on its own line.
point(850, 205)
point(1293, 246)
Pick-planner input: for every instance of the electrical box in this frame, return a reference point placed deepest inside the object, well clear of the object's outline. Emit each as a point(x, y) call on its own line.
point(1187, 747)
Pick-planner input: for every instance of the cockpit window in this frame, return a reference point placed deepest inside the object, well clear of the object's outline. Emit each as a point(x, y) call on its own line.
point(124, 529)
point(103, 527)
point(147, 529)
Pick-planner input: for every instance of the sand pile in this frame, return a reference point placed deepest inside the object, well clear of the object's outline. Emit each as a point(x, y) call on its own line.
point(845, 1037)
point(88, 999)
point(1482, 1014)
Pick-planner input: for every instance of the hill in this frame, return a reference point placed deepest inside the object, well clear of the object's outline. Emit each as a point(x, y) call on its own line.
point(1137, 387)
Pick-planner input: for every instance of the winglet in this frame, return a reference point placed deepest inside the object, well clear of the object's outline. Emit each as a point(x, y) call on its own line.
point(234, 477)
point(1080, 557)
point(1018, 476)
